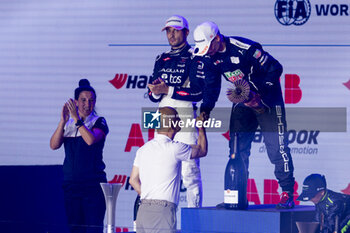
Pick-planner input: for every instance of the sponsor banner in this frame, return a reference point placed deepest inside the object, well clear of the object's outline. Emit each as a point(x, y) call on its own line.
point(300, 119)
point(46, 48)
point(187, 122)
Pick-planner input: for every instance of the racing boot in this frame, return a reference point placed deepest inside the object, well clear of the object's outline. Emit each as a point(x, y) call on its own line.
point(286, 201)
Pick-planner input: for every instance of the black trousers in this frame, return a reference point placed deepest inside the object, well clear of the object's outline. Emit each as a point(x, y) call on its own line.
point(85, 207)
point(244, 121)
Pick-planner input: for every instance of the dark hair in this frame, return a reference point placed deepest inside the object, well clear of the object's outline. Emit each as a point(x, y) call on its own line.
point(84, 85)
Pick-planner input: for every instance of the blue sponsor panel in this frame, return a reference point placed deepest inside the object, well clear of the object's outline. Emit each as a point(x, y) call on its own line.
point(258, 218)
point(31, 199)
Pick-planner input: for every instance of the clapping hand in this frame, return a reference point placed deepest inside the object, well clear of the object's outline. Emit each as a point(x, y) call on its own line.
point(158, 87)
point(65, 113)
point(73, 110)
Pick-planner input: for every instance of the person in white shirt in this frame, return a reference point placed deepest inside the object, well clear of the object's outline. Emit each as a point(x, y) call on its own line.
point(156, 174)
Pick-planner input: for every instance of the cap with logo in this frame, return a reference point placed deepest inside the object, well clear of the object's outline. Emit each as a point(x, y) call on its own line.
point(176, 21)
point(311, 186)
point(203, 35)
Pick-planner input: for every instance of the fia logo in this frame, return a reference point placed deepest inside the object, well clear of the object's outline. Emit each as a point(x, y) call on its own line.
point(288, 12)
point(151, 120)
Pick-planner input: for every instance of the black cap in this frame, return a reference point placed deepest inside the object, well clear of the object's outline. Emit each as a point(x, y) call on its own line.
point(311, 186)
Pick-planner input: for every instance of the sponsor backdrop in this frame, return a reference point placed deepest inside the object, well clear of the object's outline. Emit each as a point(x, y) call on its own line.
point(47, 46)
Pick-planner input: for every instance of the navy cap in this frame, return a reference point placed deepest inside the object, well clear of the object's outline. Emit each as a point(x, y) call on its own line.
point(311, 186)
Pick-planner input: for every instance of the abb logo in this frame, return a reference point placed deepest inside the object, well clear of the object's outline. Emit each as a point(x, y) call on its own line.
point(292, 93)
point(271, 195)
point(135, 137)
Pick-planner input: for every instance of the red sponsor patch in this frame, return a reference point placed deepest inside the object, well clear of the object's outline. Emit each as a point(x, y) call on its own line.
point(182, 93)
point(166, 59)
point(217, 62)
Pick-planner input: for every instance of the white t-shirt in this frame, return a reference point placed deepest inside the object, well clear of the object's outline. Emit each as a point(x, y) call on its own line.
point(159, 163)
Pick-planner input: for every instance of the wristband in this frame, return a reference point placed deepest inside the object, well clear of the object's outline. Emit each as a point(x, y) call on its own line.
point(79, 123)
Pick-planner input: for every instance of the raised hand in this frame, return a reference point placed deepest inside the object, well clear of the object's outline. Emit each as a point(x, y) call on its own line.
point(255, 103)
point(65, 113)
point(204, 116)
point(73, 110)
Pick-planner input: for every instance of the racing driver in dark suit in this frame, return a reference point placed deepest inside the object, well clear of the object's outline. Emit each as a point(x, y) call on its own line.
point(177, 82)
point(332, 208)
point(238, 58)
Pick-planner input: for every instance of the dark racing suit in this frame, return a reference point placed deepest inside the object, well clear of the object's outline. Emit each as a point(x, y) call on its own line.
point(331, 205)
point(184, 77)
point(245, 59)
point(181, 72)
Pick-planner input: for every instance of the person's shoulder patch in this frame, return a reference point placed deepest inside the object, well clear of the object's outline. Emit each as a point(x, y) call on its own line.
point(257, 54)
point(239, 44)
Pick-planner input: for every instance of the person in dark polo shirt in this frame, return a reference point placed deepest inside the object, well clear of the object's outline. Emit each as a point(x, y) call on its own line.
point(83, 134)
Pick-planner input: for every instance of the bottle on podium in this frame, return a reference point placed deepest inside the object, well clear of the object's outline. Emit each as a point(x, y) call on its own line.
point(236, 179)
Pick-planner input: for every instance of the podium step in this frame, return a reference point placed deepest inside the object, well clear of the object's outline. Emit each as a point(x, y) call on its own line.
point(256, 219)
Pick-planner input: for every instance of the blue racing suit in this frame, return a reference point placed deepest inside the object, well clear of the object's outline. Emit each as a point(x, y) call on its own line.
point(181, 72)
point(184, 76)
point(246, 59)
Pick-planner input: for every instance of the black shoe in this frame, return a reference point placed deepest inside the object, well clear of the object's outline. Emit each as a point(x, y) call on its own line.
point(220, 206)
point(286, 202)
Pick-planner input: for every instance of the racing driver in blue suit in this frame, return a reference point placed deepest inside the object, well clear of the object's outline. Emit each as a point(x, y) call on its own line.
point(177, 82)
point(238, 58)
